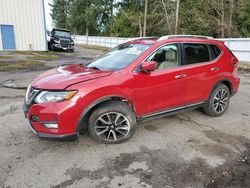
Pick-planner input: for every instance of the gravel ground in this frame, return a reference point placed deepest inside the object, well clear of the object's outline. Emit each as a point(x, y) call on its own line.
point(186, 150)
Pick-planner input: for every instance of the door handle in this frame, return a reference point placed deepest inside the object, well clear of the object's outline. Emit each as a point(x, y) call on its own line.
point(181, 76)
point(214, 69)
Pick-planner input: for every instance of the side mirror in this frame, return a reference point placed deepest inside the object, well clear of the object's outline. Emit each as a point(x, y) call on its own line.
point(148, 66)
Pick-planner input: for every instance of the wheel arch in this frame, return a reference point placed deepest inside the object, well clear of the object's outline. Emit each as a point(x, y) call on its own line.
point(83, 119)
point(227, 83)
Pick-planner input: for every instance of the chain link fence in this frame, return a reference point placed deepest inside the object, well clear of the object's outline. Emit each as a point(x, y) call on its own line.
point(239, 46)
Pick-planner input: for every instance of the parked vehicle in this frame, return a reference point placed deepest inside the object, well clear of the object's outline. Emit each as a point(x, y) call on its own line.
point(60, 39)
point(138, 80)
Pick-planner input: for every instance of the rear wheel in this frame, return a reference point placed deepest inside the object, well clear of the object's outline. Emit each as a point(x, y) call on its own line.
point(112, 123)
point(218, 101)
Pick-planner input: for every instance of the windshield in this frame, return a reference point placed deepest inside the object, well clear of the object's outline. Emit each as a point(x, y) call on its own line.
point(119, 57)
point(63, 34)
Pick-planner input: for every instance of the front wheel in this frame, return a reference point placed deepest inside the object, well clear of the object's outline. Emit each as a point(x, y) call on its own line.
point(218, 101)
point(51, 48)
point(112, 122)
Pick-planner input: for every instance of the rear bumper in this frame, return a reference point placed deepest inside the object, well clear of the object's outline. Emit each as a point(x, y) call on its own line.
point(236, 85)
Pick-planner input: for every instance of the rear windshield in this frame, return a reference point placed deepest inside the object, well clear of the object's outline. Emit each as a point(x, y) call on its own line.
point(119, 57)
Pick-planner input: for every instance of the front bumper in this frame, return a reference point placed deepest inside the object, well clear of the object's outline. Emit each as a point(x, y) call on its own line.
point(58, 46)
point(64, 137)
point(64, 113)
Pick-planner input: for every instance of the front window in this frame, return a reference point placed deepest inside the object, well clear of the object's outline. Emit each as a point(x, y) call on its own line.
point(166, 56)
point(118, 58)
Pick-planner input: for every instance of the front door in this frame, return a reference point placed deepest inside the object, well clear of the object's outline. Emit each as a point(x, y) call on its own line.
point(163, 88)
point(8, 37)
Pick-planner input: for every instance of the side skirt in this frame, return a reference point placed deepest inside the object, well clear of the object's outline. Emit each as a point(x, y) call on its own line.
point(169, 112)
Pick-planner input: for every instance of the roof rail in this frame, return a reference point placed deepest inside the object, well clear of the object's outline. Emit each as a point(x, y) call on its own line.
point(183, 36)
point(141, 38)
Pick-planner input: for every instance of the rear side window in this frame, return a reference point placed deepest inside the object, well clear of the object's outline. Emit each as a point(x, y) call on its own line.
point(196, 53)
point(215, 50)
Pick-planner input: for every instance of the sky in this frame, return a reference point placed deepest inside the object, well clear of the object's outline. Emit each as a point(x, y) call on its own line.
point(47, 14)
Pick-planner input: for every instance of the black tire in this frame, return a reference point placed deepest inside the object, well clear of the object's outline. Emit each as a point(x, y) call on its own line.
point(214, 107)
point(107, 112)
point(52, 48)
point(49, 48)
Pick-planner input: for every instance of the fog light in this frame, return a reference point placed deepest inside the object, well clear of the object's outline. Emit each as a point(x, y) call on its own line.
point(50, 125)
point(34, 118)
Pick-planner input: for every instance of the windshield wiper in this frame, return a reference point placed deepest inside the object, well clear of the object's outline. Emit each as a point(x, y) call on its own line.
point(96, 68)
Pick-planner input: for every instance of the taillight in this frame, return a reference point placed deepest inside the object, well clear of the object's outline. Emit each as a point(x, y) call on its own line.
point(235, 61)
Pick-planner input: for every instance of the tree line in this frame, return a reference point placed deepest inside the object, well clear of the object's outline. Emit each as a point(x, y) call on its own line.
point(136, 18)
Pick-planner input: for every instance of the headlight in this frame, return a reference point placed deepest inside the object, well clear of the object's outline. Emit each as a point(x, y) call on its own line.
point(56, 41)
point(54, 96)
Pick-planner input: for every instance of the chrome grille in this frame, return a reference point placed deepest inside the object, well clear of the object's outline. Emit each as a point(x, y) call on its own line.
point(65, 43)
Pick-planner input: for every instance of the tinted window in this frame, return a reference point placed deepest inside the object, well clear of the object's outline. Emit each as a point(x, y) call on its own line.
point(196, 53)
point(166, 56)
point(216, 50)
point(119, 57)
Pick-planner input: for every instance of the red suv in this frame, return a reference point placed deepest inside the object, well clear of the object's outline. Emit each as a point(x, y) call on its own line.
point(138, 80)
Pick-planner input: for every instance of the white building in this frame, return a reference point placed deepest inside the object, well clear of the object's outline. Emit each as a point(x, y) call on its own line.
point(22, 25)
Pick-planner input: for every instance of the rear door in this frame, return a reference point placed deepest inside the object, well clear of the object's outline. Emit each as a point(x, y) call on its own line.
point(201, 69)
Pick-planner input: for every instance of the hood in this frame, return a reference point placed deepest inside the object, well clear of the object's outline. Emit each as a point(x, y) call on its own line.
point(60, 78)
point(64, 38)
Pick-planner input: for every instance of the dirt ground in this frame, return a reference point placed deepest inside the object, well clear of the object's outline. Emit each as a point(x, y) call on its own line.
point(185, 150)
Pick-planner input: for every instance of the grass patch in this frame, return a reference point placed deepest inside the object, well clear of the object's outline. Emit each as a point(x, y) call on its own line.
point(17, 65)
point(46, 57)
point(5, 57)
point(24, 52)
point(94, 47)
point(38, 55)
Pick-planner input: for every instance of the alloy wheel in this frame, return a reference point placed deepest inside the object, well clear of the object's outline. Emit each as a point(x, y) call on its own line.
point(220, 101)
point(112, 126)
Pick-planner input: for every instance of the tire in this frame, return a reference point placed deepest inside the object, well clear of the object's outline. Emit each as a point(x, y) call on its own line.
point(218, 101)
point(49, 48)
point(52, 48)
point(112, 122)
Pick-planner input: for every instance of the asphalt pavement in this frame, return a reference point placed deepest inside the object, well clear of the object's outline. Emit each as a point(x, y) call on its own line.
point(189, 149)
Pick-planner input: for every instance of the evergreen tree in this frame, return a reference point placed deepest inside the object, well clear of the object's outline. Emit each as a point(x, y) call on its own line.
point(60, 13)
point(124, 18)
